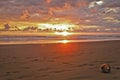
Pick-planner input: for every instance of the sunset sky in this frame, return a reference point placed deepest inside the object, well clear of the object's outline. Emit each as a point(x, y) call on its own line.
point(99, 13)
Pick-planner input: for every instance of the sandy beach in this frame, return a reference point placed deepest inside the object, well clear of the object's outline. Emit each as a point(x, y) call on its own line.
point(59, 61)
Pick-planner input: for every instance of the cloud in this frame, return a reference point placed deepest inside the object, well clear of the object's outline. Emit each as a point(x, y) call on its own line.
point(112, 3)
point(25, 15)
point(82, 11)
point(111, 10)
point(55, 10)
point(95, 4)
point(48, 1)
point(52, 8)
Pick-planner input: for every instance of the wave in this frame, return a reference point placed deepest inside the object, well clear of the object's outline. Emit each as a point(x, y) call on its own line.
point(56, 39)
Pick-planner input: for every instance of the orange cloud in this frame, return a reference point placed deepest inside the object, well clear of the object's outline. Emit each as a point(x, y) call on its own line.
point(52, 10)
point(48, 1)
point(82, 3)
point(93, 10)
point(25, 15)
point(67, 6)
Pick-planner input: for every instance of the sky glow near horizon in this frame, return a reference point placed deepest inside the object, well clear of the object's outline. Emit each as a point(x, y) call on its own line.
point(99, 13)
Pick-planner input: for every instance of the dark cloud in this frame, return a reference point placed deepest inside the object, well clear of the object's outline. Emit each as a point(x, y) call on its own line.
point(112, 3)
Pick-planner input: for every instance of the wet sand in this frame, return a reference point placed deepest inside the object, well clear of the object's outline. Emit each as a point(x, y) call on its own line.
point(59, 61)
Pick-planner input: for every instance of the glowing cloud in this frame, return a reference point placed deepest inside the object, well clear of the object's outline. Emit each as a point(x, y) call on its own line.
point(95, 3)
point(59, 26)
point(99, 2)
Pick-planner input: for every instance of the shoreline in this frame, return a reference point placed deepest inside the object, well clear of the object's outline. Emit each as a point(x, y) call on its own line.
point(9, 33)
point(55, 42)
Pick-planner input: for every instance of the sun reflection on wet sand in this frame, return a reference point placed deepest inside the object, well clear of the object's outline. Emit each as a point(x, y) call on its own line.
point(66, 47)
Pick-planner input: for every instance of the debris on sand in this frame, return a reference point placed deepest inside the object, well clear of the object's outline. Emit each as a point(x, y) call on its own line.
point(105, 68)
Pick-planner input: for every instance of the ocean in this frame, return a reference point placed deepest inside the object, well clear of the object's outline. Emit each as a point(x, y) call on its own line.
point(54, 38)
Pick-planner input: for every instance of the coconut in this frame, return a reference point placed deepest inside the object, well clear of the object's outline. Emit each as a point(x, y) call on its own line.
point(105, 68)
